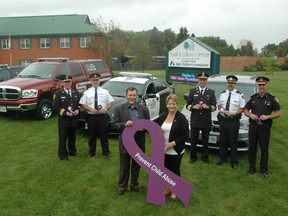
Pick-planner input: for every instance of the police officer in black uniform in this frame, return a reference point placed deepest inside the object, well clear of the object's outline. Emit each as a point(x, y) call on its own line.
point(66, 104)
point(201, 102)
point(230, 105)
point(261, 108)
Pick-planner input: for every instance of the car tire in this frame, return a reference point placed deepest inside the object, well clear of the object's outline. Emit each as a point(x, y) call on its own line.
point(44, 110)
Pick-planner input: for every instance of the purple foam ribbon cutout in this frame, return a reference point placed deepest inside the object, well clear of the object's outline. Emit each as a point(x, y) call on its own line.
point(159, 176)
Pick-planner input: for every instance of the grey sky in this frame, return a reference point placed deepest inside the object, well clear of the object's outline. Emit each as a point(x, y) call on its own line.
point(261, 21)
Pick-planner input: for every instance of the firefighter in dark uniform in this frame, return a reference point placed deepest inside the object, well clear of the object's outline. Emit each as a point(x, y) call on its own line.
point(261, 108)
point(201, 102)
point(231, 104)
point(66, 104)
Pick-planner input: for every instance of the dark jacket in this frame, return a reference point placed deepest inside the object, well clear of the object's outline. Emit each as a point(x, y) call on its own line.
point(121, 116)
point(201, 118)
point(179, 130)
point(61, 102)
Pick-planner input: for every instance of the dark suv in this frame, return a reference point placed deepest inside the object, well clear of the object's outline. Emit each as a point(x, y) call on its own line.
point(9, 72)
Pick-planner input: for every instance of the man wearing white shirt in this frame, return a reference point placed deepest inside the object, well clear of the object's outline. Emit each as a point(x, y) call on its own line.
point(97, 101)
point(231, 104)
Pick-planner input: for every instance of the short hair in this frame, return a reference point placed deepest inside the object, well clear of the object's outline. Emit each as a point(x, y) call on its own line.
point(131, 89)
point(172, 97)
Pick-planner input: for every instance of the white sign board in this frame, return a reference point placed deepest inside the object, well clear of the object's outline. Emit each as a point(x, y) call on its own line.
point(189, 54)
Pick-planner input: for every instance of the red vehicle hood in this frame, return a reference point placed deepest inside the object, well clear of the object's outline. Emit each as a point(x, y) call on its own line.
point(26, 83)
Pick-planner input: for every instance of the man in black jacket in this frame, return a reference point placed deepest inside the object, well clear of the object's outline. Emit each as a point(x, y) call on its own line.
point(201, 102)
point(66, 104)
point(124, 116)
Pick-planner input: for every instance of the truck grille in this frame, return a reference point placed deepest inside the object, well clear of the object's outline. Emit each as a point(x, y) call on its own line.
point(9, 93)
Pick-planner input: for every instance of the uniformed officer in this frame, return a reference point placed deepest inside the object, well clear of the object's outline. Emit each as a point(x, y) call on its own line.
point(230, 105)
point(97, 100)
point(261, 108)
point(66, 104)
point(201, 102)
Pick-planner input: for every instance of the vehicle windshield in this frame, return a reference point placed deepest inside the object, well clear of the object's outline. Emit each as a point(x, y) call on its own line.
point(246, 89)
point(41, 71)
point(118, 89)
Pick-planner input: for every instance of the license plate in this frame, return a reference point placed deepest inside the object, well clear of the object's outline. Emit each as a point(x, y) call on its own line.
point(212, 139)
point(3, 109)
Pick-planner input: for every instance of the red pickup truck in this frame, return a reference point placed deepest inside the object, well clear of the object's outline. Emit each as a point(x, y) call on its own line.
point(33, 88)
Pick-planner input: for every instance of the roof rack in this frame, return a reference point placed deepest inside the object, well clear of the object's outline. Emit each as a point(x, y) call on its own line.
point(60, 59)
point(136, 74)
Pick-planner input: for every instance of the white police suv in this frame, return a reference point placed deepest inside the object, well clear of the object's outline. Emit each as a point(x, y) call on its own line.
point(245, 84)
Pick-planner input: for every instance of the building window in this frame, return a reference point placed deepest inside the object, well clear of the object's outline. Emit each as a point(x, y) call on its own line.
point(65, 43)
point(45, 43)
point(5, 44)
point(25, 43)
point(25, 62)
point(85, 42)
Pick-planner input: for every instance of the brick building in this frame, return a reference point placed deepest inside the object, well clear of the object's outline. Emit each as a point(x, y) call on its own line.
point(25, 39)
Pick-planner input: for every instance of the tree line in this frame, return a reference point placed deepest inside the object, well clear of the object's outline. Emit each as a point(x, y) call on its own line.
point(148, 43)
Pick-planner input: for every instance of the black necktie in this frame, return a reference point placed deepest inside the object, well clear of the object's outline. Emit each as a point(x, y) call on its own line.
point(202, 91)
point(228, 102)
point(96, 100)
point(69, 93)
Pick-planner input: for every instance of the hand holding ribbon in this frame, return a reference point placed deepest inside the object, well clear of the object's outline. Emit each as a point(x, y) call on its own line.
point(159, 176)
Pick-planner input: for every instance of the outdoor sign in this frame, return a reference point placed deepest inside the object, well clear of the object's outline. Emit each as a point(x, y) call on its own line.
point(190, 58)
point(189, 54)
point(159, 176)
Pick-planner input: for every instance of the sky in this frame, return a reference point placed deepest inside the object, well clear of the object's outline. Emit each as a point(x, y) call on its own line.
point(260, 21)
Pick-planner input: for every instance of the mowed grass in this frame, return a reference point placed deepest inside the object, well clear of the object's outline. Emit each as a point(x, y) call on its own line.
point(33, 181)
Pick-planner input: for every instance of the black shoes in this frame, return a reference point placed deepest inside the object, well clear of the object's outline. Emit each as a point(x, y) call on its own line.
point(251, 171)
point(220, 162)
point(265, 174)
point(193, 160)
point(64, 159)
point(120, 192)
point(234, 166)
point(206, 161)
point(136, 189)
point(106, 154)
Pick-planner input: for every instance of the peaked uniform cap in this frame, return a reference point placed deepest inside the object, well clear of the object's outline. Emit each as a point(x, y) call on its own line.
point(65, 78)
point(262, 80)
point(202, 75)
point(231, 79)
point(95, 76)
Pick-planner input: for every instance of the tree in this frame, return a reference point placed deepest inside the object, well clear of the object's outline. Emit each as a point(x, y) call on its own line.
point(282, 49)
point(268, 50)
point(246, 48)
point(270, 65)
point(142, 50)
point(169, 40)
point(182, 35)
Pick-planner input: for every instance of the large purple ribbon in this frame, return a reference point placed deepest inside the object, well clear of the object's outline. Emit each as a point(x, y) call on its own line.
point(159, 176)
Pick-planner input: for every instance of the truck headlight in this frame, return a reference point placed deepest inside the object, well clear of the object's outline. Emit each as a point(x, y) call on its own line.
point(29, 93)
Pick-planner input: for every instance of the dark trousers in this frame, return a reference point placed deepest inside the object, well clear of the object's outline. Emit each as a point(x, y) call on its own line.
point(259, 134)
point(173, 162)
point(125, 161)
point(229, 131)
point(98, 124)
point(194, 140)
point(66, 133)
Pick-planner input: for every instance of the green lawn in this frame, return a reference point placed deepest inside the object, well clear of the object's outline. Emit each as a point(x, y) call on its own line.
point(34, 181)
